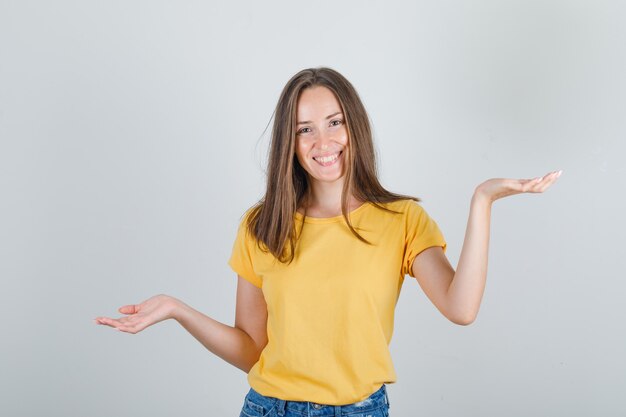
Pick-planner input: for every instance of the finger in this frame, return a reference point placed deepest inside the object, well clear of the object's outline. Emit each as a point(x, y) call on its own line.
point(99, 320)
point(124, 329)
point(103, 320)
point(539, 184)
point(109, 322)
point(129, 309)
point(557, 173)
point(133, 328)
point(551, 179)
point(553, 174)
point(531, 185)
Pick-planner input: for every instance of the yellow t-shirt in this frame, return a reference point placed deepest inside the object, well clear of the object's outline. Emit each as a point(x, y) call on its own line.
point(331, 311)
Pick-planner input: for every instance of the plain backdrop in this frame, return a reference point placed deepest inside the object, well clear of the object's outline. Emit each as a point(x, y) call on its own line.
point(132, 139)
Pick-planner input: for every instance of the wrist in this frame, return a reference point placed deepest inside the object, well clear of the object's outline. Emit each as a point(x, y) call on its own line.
point(177, 309)
point(480, 197)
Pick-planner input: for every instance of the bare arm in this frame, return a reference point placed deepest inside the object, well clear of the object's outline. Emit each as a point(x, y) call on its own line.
point(240, 345)
point(230, 343)
point(458, 294)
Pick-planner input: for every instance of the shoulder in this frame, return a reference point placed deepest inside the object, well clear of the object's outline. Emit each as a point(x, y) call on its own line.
point(403, 206)
point(408, 213)
point(399, 213)
point(244, 227)
point(247, 215)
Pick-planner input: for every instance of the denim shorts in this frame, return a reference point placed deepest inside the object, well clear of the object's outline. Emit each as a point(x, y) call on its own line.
point(258, 405)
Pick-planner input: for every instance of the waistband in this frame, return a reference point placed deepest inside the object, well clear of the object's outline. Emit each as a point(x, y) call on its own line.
point(309, 409)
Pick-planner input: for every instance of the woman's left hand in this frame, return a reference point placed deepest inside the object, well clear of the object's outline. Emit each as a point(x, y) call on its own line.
point(496, 188)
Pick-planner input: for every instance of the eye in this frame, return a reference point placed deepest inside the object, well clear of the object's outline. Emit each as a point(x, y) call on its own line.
point(302, 130)
point(336, 122)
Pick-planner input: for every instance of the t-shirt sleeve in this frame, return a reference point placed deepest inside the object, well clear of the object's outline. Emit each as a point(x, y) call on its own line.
point(421, 232)
point(241, 258)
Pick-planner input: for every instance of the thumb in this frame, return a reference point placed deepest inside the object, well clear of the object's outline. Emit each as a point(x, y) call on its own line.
point(129, 309)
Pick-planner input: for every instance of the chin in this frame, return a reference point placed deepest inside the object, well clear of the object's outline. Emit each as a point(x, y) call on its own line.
point(327, 179)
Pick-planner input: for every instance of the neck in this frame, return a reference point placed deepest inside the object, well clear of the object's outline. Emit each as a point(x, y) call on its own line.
point(326, 197)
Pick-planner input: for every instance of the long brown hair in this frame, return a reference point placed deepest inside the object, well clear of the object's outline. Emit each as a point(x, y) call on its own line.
point(271, 220)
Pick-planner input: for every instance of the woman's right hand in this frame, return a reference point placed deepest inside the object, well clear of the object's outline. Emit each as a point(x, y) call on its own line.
point(151, 311)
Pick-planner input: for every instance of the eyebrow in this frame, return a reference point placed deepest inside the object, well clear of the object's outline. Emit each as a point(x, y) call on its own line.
point(327, 117)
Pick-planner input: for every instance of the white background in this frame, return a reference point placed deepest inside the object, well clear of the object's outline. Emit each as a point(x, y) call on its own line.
point(132, 140)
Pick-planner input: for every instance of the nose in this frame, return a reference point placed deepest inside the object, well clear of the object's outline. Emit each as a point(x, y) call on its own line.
point(324, 139)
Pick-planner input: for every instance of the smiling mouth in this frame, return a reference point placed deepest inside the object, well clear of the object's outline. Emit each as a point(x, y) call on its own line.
point(327, 160)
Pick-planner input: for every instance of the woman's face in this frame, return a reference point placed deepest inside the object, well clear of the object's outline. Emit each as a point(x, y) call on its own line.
point(321, 135)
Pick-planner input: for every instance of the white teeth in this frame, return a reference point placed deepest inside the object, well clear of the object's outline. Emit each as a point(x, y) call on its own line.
point(326, 159)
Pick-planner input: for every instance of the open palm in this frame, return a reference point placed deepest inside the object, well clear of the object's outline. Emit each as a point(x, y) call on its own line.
point(140, 316)
point(496, 188)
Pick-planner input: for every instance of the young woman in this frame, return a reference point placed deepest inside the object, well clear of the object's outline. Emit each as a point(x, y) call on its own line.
point(321, 260)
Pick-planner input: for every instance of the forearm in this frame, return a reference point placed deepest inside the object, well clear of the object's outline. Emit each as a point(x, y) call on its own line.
point(229, 343)
point(467, 287)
